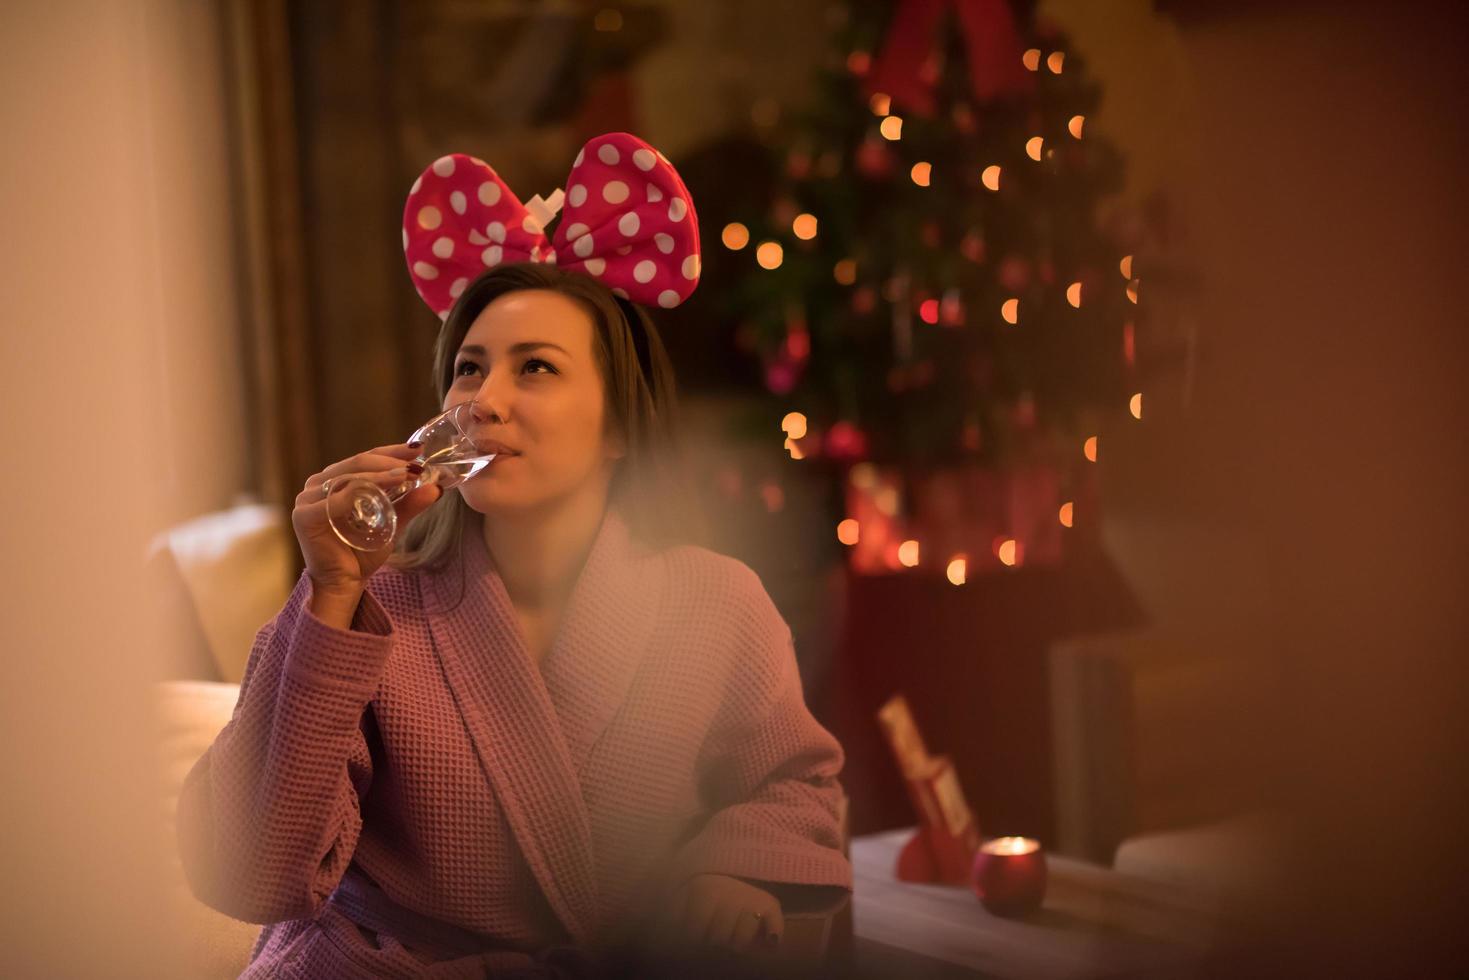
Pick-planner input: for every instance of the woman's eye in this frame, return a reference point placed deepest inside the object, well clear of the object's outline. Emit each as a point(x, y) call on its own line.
point(460, 372)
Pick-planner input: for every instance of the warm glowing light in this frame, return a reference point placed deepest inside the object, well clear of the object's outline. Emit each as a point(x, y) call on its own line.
point(736, 236)
point(1126, 266)
point(798, 344)
point(1068, 513)
point(921, 173)
point(863, 476)
point(1073, 294)
point(1009, 551)
point(794, 449)
point(804, 226)
point(951, 310)
point(886, 500)
point(769, 255)
point(1055, 61)
point(608, 20)
point(859, 62)
point(845, 272)
point(1090, 449)
point(848, 531)
point(1033, 147)
point(908, 553)
point(773, 495)
point(1032, 59)
point(1132, 291)
point(1075, 124)
point(880, 103)
point(929, 310)
point(892, 127)
point(1010, 845)
point(991, 176)
point(794, 425)
point(1136, 405)
point(1129, 343)
point(956, 569)
point(1010, 310)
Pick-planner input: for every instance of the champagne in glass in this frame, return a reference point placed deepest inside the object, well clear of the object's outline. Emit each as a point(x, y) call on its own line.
point(361, 512)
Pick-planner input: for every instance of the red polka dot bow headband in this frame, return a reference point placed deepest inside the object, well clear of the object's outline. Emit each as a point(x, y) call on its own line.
point(629, 223)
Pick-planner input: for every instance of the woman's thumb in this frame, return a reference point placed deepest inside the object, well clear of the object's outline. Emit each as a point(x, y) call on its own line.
point(418, 501)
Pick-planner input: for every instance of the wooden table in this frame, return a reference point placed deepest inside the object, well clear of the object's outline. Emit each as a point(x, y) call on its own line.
point(1095, 922)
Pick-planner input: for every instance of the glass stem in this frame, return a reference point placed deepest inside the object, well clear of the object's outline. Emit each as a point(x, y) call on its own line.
point(411, 484)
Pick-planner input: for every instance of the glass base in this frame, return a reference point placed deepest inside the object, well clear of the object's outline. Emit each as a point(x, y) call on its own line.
point(362, 516)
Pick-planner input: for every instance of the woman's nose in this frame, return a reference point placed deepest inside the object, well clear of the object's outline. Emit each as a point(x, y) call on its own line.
point(490, 401)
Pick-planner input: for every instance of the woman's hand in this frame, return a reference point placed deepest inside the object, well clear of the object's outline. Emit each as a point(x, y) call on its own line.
point(718, 910)
point(337, 570)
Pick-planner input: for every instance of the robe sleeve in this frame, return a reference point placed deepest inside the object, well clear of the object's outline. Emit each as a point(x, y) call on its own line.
point(768, 779)
point(269, 816)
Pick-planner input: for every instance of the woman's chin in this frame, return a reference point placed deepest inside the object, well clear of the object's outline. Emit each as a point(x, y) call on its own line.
point(480, 496)
point(488, 499)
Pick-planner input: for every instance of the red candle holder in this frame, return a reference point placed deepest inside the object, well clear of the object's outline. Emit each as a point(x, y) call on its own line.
point(1009, 875)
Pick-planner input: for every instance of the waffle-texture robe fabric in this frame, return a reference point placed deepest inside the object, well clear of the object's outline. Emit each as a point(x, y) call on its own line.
point(416, 796)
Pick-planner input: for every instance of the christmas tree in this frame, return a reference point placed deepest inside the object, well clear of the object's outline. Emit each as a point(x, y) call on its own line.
point(933, 283)
point(939, 312)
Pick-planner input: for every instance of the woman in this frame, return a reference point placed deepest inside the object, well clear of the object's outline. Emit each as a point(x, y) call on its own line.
point(537, 729)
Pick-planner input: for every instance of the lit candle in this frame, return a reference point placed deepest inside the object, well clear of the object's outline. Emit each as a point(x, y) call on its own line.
point(1010, 875)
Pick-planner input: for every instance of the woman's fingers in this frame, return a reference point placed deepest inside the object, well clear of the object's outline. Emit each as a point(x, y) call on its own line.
point(384, 457)
point(418, 501)
point(775, 921)
point(381, 458)
point(722, 925)
point(386, 479)
point(744, 930)
point(710, 913)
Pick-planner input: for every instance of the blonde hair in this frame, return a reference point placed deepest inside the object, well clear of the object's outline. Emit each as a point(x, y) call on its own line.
point(650, 485)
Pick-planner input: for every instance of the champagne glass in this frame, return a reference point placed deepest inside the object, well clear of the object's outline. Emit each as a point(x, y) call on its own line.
point(361, 512)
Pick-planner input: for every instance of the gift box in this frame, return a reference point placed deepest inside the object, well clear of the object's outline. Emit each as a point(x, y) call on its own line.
point(943, 848)
point(992, 518)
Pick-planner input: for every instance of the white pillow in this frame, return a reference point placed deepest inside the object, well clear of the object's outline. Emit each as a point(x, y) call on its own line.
point(236, 565)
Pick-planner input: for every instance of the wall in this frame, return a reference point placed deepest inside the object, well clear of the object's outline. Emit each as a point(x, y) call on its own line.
point(122, 408)
point(183, 117)
point(1326, 441)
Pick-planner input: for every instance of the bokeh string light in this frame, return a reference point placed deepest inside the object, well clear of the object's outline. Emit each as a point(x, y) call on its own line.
point(915, 295)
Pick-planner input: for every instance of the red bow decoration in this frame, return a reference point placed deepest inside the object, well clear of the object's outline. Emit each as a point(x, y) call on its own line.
point(629, 222)
point(991, 46)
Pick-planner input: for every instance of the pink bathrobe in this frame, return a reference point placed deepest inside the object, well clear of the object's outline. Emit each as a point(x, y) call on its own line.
point(417, 797)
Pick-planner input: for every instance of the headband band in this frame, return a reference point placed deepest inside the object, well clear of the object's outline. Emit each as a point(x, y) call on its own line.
point(635, 327)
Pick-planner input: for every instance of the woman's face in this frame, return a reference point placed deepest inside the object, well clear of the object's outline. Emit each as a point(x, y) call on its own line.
point(528, 365)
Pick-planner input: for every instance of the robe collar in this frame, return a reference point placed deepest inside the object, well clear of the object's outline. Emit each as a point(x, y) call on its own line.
point(533, 727)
